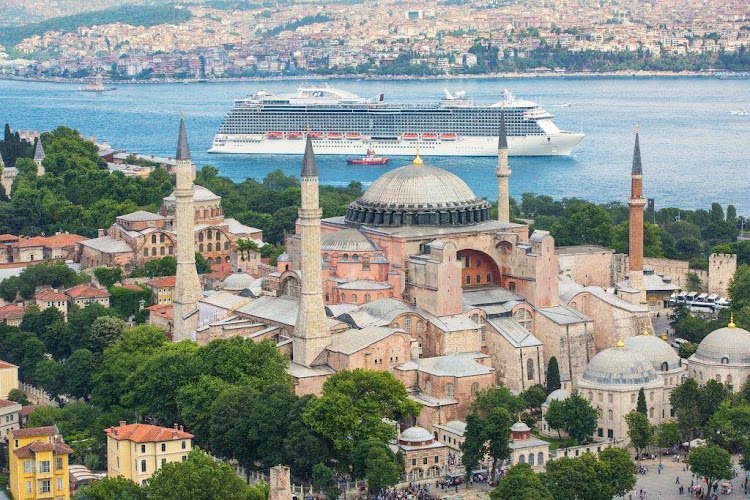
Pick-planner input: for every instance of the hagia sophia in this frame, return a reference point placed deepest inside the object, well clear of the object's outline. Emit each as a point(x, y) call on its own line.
point(418, 280)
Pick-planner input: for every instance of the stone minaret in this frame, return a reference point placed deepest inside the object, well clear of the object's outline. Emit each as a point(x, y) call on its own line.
point(311, 333)
point(503, 173)
point(187, 290)
point(39, 156)
point(636, 202)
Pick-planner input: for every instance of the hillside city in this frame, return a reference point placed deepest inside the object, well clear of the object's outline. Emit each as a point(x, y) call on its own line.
point(391, 37)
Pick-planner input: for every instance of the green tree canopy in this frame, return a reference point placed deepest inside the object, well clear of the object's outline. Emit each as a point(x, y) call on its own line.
point(521, 483)
point(110, 488)
point(711, 462)
point(553, 375)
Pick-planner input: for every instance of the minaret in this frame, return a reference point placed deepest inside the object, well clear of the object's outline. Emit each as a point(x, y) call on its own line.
point(503, 173)
point(39, 156)
point(187, 289)
point(311, 333)
point(636, 203)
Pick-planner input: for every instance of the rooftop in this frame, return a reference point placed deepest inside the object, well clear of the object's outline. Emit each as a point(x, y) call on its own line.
point(145, 433)
point(86, 291)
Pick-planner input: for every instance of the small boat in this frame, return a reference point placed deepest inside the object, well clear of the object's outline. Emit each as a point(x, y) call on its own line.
point(315, 135)
point(447, 137)
point(739, 112)
point(274, 135)
point(410, 137)
point(335, 136)
point(295, 136)
point(369, 159)
point(353, 136)
point(429, 137)
point(96, 86)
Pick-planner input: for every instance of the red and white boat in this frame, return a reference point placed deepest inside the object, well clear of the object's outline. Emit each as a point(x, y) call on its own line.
point(353, 137)
point(315, 135)
point(369, 159)
point(429, 137)
point(335, 136)
point(274, 135)
point(410, 137)
point(295, 136)
point(447, 137)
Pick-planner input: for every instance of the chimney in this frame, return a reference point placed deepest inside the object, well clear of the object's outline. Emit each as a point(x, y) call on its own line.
point(123, 422)
point(101, 233)
point(175, 426)
point(182, 429)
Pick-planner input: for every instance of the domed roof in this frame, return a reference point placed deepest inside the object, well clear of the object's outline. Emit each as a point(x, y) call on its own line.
point(418, 194)
point(520, 427)
point(200, 193)
point(238, 281)
point(557, 395)
point(619, 366)
point(416, 433)
point(347, 240)
point(655, 350)
point(284, 257)
point(729, 342)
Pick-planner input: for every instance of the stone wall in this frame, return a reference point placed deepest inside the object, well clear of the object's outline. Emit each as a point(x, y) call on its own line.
point(721, 269)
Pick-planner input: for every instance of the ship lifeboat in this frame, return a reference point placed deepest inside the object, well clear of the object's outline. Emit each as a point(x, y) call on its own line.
point(410, 137)
point(335, 136)
point(447, 137)
point(315, 135)
point(429, 137)
point(353, 137)
point(294, 135)
point(274, 135)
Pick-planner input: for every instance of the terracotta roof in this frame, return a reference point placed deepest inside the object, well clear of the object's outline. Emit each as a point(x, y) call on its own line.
point(86, 291)
point(223, 267)
point(28, 451)
point(217, 275)
point(8, 237)
point(50, 295)
point(132, 286)
point(166, 311)
point(5, 364)
point(11, 311)
point(56, 241)
point(162, 282)
point(29, 432)
point(4, 403)
point(27, 410)
point(145, 433)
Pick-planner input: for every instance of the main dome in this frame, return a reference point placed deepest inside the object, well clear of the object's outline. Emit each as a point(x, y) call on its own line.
point(417, 194)
point(619, 366)
point(656, 351)
point(728, 345)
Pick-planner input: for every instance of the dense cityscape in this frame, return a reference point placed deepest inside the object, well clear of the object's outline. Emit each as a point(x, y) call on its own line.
point(235, 39)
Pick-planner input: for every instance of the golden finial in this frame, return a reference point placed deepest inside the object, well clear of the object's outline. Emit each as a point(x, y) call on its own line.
point(182, 115)
point(664, 336)
point(645, 331)
point(731, 321)
point(620, 343)
point(418, 159)
point(637, 127)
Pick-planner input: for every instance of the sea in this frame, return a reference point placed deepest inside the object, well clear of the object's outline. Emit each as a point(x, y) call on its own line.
point(694, 150)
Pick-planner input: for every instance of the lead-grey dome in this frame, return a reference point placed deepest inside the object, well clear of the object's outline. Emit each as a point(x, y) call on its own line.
point(346, 240)
point(619, 366)
point(656, 351)
point(557, 395)
point(418, 194)
point(728, 345)
point(238, 281)
point(416, 434)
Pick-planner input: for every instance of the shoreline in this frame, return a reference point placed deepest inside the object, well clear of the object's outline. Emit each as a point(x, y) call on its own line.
point(484, 76)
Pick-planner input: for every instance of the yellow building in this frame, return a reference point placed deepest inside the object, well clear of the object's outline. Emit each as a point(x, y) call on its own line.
point(136, 451)
point(38, 463)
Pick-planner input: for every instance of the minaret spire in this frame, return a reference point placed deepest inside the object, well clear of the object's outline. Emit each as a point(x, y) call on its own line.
point(187, 290)
point(503, 173)
point(39, 156)
point(636, 204)
point(311, 332)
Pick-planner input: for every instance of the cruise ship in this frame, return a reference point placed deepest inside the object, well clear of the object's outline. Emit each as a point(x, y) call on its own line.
point(342, 123)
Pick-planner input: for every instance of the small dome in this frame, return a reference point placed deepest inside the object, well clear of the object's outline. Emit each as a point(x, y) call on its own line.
point(416, 434)
point(346, 240)
point(520, 427)
point(418, 194)
point(729, 343)
point(557, 395)
point(656, 351)
point(238, 281)
point(284, 257)
point(619, 366)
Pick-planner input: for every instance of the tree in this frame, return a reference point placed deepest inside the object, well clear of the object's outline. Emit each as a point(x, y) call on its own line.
point(534, 397)
point(486, 435)
point(353, 406)
point(322, 480)
point(729, 427)
point(199, 477)
point(521, 483)
point(620, 471)
point(582, 478)
point(684, 399)
point(18, 396)
point(77, 373)
point(108, 276)
point(109, 488)
point(553, 375)
point(739, 288)
point(555, 416)
point(710, 462)
point(694, 283)
point(381, 468)
point(194, 403)
point(667, 434)
point(640, 431)
point(641, 406)
point(105, 330)
point(580, 418)
point(687, 349)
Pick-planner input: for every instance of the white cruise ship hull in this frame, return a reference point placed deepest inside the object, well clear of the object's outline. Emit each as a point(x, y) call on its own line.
point(556, 144)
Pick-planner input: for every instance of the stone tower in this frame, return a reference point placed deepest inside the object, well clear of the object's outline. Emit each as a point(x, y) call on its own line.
point(721, 269)
point(39, 156)
point(636, 203)
point(503, 173)
point(280, 487)
point(187, 290)
point(311, 333)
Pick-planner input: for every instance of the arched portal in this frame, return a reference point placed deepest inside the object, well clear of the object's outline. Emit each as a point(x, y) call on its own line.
point(290, 286)
point(478, 269)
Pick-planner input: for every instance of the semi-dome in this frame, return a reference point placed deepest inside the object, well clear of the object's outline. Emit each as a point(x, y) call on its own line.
point(284, 257)
point(557, 395)
point(619, 366)
point(661, 355)
point(726, 345)
point(238, 281)
point(415, 434)
point(346, 240)
point(418, 194)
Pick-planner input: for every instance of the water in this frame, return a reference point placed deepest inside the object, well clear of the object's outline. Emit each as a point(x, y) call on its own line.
point(694, 151)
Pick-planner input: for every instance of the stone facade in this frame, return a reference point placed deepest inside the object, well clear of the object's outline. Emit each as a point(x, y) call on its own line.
point(721, 269)
point(588, 265)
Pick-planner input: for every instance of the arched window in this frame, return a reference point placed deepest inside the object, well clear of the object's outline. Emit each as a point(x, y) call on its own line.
point(610, 398)
point(651, 396)
point(468, 279)
point(522, 459)
point(725, 360)
point(665, 367)
point(407, 323)
point(531, 459)
point(200, 247)
point(529, 369)
point(574, 305)
point(153, 238)
point(354, 298)
point(479, 278)
point(591, 396)
point(171, 249)
point(475, 388)
point(226, 245)
point(355, 258)
point(651, 412)
point(145, 252)
point(540, 458)
point(728, 379)
point(365, 263)
point(367, 297)
point(632, 398)
point(343, 299)
point(523, 316)
point(489, 277)
point(345, 257)
point(610, 415)
point(210, 247)
point(600, 396)
point(428, 387)
point(420, 326)
point(200, 236)
point(218, 235)
point(219, 260)
point(209, 234)
point(161, 238)
point(153, 250)
point(448, 390)
point(700, 375)
point(162, 251)
point(718, 377)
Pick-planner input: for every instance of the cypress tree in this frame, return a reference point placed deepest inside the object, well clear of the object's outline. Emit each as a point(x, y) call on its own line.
point(553, 375)
point(641, 407)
